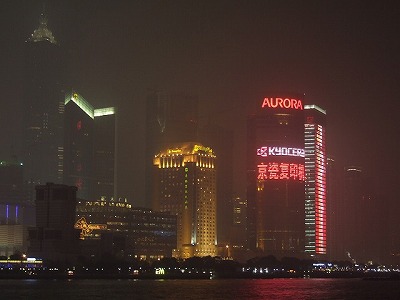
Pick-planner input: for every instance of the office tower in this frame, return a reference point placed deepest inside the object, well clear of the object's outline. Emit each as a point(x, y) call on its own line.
point(315, 183)
point(43, 108)
point(275, 176)
point(79, 126)
point(54, 237)
point(186, 187)
point(221, 140)
point(105, 149)
point(170, 118)
point(358, 222)
point(90, 143)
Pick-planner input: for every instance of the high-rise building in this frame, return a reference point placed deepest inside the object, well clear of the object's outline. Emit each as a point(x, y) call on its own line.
point(170, 118)
point(315, 182)
point(43, 108)
point(54, 236)
point(275, 176)
point(78, 162)
point(186, 187)
point(105, 150)
point(90, 142)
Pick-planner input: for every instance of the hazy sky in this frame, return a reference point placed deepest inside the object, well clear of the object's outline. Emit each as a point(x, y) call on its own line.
point(344, 55)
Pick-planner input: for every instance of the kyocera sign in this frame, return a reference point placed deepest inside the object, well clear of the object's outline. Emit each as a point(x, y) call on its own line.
point(282, 103)
point(280, 151)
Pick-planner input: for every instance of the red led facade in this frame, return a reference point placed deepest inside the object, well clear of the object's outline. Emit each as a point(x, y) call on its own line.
point(315, 190)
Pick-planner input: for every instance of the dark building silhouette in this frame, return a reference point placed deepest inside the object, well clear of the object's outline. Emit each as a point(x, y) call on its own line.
point(90, 142)
point(54, 237)
point(43, 108)
point(275, 176)
point(359, 221)
point(332, 212)
point(315, 182)
point(105, 151)
point(170, 118)
point(79, 127)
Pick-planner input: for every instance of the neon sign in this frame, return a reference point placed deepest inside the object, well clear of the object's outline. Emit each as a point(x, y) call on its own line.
point(280, 151)
point(278, 171)
point(282, 103)
point(86, 228)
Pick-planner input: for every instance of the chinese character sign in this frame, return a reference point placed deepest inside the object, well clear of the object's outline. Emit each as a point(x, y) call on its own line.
point(277, 171)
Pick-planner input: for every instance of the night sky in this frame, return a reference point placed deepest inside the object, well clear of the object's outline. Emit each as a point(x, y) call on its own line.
point(344, 55)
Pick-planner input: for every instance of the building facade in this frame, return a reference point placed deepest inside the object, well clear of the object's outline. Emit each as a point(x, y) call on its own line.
point(315, 183)
point(114, 226)
point(275, 176)
point(186, 187)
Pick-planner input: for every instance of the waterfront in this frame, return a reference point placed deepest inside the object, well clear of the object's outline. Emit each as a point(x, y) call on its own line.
point(296, 288)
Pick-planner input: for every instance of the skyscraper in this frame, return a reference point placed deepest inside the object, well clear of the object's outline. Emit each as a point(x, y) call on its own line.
point(186, 187)
point(275, 176)
point(315, 183)
point(79, 126)
point(90, 143)
point(170, 118)
point(105, 151)
point(43, 108)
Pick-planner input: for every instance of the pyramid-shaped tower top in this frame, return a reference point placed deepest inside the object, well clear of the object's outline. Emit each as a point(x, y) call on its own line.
point(42, 33)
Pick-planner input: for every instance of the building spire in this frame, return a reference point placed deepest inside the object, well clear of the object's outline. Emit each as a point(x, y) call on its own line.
point(42, 33)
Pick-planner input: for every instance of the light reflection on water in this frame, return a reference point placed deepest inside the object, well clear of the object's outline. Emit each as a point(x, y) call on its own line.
point(200, 289)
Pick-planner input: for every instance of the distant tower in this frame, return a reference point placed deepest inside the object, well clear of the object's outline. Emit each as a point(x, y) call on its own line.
point(315, 183)
point(170, 118)
point(43, 109)
point(186, 187)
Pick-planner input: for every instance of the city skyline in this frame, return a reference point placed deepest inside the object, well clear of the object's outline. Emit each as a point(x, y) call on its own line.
point(229, 54)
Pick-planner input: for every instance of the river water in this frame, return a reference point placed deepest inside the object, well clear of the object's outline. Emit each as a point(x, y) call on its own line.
point(200, 289)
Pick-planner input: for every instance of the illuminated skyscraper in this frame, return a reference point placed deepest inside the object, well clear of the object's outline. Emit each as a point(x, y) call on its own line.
point(186, 187)
point(315, 184)
point(43, 109)
point(275, 176)
point(170, 118)
point(90, 141)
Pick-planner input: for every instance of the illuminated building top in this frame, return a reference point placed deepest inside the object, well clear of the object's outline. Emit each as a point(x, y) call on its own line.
point(187, 148)
point(42, 33)
point(104, 111)
point(316, 108)
point(87, 107)
point(81, 102)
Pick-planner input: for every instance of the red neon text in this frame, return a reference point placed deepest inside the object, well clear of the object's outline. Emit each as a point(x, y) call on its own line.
point(274, 171)
point(282, 103)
